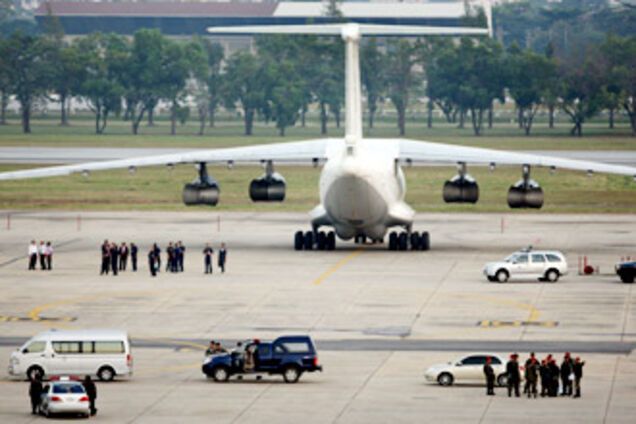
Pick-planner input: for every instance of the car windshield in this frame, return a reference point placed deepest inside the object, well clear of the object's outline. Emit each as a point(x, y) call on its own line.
point(512, 257)
point(64, 388)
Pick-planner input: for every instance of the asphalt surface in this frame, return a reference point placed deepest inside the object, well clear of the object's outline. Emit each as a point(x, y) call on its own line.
point(67, 155)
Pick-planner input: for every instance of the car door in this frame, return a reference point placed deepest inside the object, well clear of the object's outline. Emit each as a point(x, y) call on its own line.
point(471, 369)
point(35, 354)
point(265, 360)
point(519, 267)
point(537, 266)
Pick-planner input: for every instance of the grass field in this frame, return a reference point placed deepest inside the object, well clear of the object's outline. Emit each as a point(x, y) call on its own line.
point(228, 133)
point(160, 189)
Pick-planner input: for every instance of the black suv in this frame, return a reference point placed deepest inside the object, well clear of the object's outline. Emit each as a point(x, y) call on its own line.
point(627, 271)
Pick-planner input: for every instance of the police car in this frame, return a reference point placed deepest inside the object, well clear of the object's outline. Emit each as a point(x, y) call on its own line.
point(64, 395)
point(528, 264)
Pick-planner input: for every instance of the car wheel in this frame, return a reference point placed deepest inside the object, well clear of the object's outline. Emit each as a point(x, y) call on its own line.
point(34, 372)
point(502, 380)
point(291, 374)
point(220, 374)
point(552, 275)
point(502, 276)
point(106, 373)
point(445, 379)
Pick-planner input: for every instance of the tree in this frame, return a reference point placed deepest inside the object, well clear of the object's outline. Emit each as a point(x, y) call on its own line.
point(175, 70)
point(5, 82)
point(437, 56)
point(143, 76)
point(28, 63)
point(618, 59)
point(373, 75)
point(401, 77)
point(581, 97)
point(105, 57)
point(198, 54)
point(66, 75)
point(528, 77)
point(243, 84)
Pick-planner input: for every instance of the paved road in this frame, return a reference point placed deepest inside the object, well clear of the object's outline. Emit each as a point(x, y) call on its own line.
point(61, 155)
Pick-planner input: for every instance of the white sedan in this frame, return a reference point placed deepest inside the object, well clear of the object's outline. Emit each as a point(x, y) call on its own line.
point(544, 265)
point(64, 397)
point(467, 369)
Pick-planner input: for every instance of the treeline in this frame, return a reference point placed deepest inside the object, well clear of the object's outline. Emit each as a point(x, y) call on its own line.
point(464, 78)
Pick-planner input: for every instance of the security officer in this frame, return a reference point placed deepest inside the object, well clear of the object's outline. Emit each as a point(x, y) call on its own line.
point(35, 393)
point(526, 386)
point(222, 257)
point(180, 256)
point(152, 262)
point(489, 373)
point(553, 391)
point(105, 258)
point(566, 370)
point(133, 256)
point(514, 377)
point(532, 375)
point(114, 258)
point(91, 392)
point(577, 370)
point(544, 373)
point(207, 255)
point(123, 256)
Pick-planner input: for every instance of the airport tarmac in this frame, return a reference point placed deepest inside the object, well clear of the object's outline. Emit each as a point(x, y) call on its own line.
point(379, 318)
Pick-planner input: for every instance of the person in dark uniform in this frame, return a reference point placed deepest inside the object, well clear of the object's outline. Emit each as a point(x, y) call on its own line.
point(49, 256)
point(207, 258)
point(133, 256)
point(35, 393)
point(157, 251)
point(180, 256)
point(152, 263)
point(553, 391)
point(566, 370)
point(514, 377)
point(123, 256)
point(532, 375)
point(489, 373)
point(222, 257)
point(526, 385)
point(114, 258)
point(577, 370)
point(544, 373)
point(91, 392)
point(105, 258)
point(211, 350)
point(169, 258)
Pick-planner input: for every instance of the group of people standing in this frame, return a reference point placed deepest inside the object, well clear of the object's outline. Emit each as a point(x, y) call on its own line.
point(43, 252)
point(546, 372)
point(115, 257)
point(208, 253)
point(175, 257)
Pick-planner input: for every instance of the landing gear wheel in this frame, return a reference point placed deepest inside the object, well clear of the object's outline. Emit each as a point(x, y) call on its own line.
point(403, 241)
point(415, 240)
point(321, 240)
point(331, 240)
point(425, 241)
point(309, 240)
point(299, 240)
point(393, 240)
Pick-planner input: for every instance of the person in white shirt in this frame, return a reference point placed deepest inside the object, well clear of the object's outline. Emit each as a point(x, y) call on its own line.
point(33, 255)
point(42, 252)
point(49, 255)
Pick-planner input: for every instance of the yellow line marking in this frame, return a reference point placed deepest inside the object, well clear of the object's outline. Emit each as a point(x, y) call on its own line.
point(342, 262)
point(533, 313)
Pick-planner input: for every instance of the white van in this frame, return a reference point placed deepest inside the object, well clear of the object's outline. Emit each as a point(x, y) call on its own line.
point(102, 353)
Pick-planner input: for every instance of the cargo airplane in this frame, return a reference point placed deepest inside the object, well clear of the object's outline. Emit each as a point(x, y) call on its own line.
point(362, 185)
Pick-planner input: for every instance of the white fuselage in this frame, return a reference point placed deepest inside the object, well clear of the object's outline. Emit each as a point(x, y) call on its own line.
point(362, 190)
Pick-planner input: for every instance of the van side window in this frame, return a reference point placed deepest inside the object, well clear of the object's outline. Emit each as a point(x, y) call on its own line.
point(552, 258)
point(109, 347)
point(536, 258)
point(35, 347)
point(67, 347)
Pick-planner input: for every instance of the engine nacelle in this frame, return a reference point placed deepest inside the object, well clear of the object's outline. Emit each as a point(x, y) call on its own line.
point(198, 193)
point(525, 195)
point(461, 189)
point(268, 188)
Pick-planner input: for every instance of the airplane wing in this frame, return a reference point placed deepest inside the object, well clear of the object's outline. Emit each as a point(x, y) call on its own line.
point(300, 151)
point(424, 152)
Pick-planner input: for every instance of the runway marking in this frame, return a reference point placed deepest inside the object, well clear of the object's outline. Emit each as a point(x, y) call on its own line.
point(525, 324)
point(533, 312)
point(342, 262)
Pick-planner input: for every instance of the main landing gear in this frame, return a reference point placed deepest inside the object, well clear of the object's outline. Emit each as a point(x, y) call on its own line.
point(412, 241)
point(318, 240)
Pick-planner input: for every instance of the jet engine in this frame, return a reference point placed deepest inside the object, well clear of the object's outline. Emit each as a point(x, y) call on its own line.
point(525, 193)
point(462, 188)
point(202, 191)
point(270, 187)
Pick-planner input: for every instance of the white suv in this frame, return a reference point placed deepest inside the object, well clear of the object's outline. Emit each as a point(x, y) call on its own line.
point(544, 265)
